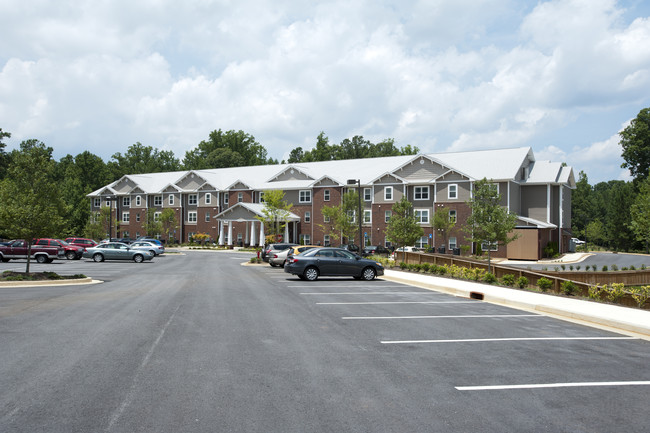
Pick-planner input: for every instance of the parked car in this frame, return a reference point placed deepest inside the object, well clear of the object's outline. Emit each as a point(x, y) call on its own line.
point(376, 250)
point(402, 250)
point(72, 252)
point(275, 248)
point(280, 257)
point(148, 246)
point(350, 247)
point(81, 242)
point(116, 251)
point(335, 262)
point(18, 249)
point(154, 240)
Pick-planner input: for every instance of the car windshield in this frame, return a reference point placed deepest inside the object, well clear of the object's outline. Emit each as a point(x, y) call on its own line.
point(64, 243)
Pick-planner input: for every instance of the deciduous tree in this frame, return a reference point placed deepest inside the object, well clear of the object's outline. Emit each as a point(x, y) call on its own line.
point(635, 141)
point(276, 212)
point(403, 228)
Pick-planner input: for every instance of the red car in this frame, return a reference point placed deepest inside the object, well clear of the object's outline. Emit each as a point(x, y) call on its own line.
point(81, 242)
point(72, 252)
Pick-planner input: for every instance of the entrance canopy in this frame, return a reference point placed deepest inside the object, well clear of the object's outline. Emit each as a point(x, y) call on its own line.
point(248, 212)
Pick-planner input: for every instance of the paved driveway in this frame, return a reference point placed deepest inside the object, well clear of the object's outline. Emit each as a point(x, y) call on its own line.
point(199, 343)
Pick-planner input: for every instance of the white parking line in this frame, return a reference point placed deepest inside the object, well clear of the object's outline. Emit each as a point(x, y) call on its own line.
point(356, 286)
point(470, 316)
point(396, 302)
point(483, 340)
point(552, 385)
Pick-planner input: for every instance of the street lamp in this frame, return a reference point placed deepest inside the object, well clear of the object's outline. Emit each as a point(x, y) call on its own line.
point(358, 182)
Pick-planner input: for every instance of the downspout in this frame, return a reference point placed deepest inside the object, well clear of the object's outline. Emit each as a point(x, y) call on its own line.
point(561, 220)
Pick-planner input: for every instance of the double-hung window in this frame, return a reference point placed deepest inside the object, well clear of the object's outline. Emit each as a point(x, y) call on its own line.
point(157, 200)
point(126, 201)
point(452, 191)
point(452, 216)
point(421, 193)
point(171, 199)
point(304, 196)
point(156, 216)
point(97, 202)
point(125, 217)
point(367, 194)
point(367, 216)
point(138, 200)
point(207, 217)
point(208, 198)
point(387, 215)
point(192, 199)
point(422, 216)
point(388, 193)
point(240, 197)
point(326, 195)
point(307, 217)
point(191, 217)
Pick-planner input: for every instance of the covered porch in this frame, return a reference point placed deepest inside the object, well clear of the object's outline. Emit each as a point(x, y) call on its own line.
point(242, 221)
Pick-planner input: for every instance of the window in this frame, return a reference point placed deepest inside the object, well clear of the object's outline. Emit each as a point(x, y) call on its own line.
point(387, 215)
point(326, 195)
point(171, 199)
point(326, 218)
point(207, 217)
point(352, 216)
point(157, 200)
point(491, 246)
point(452, 191)
point(208, 198)
point(388, 193)
point(326, 240)
point(138, 200)
point(126, 201)
point(137, 217)
point(192, 199)
point(452, 243)
point(126, 217)
point(97, 202)
point(423, 242)
point(191, 217)
point(190, 236)
point(307, 217)
point(421, 193)
point(422, 216)
point(108, 203)
point(226, 198)
point(367, 196)
point(262, 197)
point(125, 234)
point(156, 217)
point(367, 216)
point(452, 216)
point(305, 239)
point(305, 196)
point(240, 197)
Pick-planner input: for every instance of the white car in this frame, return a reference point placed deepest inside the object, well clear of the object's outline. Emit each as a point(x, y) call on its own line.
point(405, 249)
point(155, 249)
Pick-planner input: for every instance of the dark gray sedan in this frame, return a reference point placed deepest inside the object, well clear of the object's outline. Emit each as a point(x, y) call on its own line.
point(116, 251)
point(332, 262)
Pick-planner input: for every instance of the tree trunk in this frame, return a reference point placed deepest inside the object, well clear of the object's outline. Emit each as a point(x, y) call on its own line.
point(29, 256)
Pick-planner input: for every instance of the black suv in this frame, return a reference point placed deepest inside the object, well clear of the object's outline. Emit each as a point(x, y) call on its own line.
point(376, 250)
point(274, 247)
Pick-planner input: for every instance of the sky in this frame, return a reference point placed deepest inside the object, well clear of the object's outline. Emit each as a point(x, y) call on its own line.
point(563, 77)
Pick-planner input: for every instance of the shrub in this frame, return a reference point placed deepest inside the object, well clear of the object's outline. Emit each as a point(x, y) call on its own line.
point(410, 267)
point(568, 287)
point(443, 270)
point(426, 267)
point(402, 265)
point(577, 267)
point(614, 268)
point(489, 278)
point(605, 268)
point(641, 295)
point(522, 282)
point(544, 284)
point(615, 292)
point(632, 268)
point(551, 249)
point(643, 267)
point(624, 268)
point(596, 291)
point(508, 280)
point(563, 267)
point(557, 269)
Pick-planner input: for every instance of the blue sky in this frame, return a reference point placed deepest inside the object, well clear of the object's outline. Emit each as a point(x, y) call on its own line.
point(563, 77)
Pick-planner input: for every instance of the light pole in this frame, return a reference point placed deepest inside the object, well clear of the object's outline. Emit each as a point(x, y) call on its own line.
point(110, 199)
point(358, 182)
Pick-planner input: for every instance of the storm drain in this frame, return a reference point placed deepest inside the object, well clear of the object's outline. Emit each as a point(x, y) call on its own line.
point(476, 295)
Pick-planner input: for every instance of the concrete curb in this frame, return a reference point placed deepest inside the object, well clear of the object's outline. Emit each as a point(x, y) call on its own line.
point(613, 318)
point(76, 281)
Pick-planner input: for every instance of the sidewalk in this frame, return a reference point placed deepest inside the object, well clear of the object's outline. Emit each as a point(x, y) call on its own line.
point(629, 321)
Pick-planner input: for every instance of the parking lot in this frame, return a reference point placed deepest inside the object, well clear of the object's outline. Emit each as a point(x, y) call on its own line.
point(198, 342)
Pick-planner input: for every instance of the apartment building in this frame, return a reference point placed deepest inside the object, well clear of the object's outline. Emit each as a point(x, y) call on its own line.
point(225, 203)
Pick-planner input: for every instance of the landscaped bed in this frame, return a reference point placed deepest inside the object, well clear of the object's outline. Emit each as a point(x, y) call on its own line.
point(37, 276)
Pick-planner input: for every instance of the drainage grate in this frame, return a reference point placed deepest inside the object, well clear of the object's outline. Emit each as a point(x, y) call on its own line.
point(476, 295)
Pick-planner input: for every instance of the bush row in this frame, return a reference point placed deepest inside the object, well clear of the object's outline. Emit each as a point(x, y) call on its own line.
point(616, 291)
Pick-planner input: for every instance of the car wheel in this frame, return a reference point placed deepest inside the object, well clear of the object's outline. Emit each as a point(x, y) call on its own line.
point(311, 273)
point(272, 264)
point(153, 253)
point(368, 274)
point(302, 277)
point(138, 258)
point(41, 259)
point(283, 263)
point(98, 258)
point(70, 255)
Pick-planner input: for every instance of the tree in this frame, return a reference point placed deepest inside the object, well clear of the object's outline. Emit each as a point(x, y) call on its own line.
point(4, 161)
point(403, 228)
point(226, 149)
point(582, 207)
point(595, 232)
point(151, 225)
point(31, 201)
point(276, 213)
point(635, 142)
point(489, 223)
point(342, 218)
point(443, 223)
point(143, 159)
point(168, 222)
point(97, 226)
point(640, 213)
point(617, 226)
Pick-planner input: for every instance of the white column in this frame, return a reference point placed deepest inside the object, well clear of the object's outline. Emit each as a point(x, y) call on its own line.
point(252, 243)
point(261, 234)
point(247, 239)
point(286, 232)
point(229, 233)
point(221, 242)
